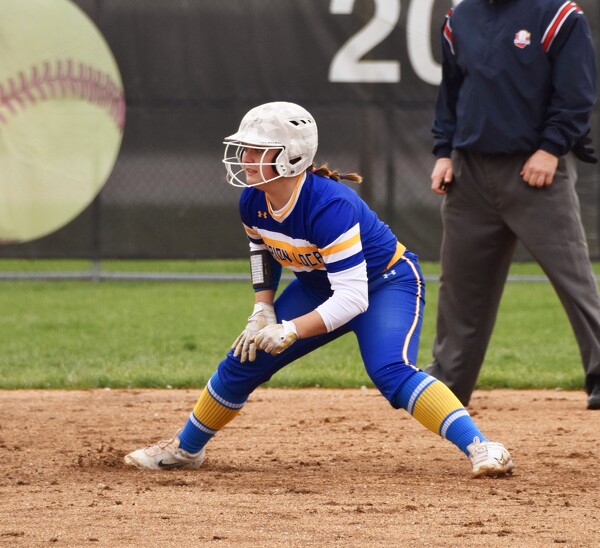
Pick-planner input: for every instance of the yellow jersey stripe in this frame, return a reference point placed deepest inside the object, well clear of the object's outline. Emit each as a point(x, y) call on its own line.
point(251, 232)
point(330, 250)
point(400, 249)
point(289, 247)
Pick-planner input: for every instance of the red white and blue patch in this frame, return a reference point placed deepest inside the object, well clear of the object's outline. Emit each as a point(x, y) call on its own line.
point(522, 39)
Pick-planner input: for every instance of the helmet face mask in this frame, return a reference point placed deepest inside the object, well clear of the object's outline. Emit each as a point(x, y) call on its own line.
point(235, 165)
point(283, 126)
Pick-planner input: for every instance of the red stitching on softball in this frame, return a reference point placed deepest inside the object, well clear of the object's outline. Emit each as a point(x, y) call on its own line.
point(69, 79)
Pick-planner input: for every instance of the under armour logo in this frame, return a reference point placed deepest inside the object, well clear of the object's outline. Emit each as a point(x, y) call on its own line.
point(390, 273)
point(262, 214)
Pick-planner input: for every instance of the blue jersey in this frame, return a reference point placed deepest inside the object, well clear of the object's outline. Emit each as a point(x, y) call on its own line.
point(518, 76)
point(325, 228)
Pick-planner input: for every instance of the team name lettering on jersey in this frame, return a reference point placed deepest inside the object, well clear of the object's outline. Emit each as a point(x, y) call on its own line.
point(301, 255)
point(289, 257)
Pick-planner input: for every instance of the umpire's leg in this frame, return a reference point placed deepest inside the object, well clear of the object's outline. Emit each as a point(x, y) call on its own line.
point(476, 252)
point(554, 235)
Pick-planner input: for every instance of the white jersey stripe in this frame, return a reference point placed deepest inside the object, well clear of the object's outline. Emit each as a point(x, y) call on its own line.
point(343, 254)
point(300, 255)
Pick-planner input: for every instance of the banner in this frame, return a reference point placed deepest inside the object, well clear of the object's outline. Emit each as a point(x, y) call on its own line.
point(368, 71)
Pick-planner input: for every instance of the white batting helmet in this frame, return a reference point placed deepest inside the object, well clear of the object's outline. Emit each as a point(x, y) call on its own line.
point(279, 125)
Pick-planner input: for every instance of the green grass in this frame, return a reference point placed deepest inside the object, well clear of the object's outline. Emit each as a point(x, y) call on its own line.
point(83, 334)
point(221, 266)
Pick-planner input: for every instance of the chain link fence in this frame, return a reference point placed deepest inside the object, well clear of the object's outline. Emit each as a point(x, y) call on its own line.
point(191, 69)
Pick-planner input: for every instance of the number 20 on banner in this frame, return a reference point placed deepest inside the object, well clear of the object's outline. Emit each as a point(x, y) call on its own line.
point(346, 65)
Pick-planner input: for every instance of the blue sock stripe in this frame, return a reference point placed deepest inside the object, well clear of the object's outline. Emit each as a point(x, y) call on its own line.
point(195, 435)
point(462, 431)
point(222, 401)
point(201, 426)
point(417, 392)
point(224, 396)
point(450, 419)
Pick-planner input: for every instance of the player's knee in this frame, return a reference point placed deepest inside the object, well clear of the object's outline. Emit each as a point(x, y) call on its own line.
point(390, 379)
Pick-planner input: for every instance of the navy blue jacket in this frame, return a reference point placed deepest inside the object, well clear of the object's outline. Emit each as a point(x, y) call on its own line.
point(518, 76)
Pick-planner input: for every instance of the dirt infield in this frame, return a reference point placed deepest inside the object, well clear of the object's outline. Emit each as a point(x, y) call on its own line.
point(297, 468)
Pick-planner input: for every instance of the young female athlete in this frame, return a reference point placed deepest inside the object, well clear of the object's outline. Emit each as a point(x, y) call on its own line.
point(351, 274)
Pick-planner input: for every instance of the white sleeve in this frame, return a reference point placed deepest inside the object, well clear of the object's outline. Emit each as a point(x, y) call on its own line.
point(350, 297)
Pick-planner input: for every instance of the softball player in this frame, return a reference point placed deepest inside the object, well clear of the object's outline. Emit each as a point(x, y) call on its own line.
point(351, 274)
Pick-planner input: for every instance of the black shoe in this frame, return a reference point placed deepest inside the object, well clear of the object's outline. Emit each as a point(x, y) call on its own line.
point(594, 397)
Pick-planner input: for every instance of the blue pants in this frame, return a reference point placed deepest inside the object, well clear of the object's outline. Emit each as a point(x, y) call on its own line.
point(388, 332)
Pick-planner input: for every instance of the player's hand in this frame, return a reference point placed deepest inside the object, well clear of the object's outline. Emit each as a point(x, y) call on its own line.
point(274, 339)
point(442, 176)
point(262, 316)
point(539, 169)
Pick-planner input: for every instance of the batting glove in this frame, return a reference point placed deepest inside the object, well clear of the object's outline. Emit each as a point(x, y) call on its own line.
point(274, 339)
point(262, 316)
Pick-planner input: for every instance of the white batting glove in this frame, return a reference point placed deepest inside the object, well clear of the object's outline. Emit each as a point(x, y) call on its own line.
point(262, 316)
point(274, 339)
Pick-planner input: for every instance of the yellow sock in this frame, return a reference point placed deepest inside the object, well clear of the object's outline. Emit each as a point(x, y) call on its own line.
point(436, 407)
point(435, 403)
point(215, 407)
point(211, 412)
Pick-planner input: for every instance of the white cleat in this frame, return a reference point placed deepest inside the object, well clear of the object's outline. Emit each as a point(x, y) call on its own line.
point(164, 456)
point(489, 458)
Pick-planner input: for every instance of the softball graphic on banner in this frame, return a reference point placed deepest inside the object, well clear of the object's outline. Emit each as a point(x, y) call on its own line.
point(62, 112)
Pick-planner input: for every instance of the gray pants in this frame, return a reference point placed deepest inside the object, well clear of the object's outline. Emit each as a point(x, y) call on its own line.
point(487, 210)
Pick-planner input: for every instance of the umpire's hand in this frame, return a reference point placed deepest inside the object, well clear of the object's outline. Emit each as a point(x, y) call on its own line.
point(539, 169)
point(442, 176)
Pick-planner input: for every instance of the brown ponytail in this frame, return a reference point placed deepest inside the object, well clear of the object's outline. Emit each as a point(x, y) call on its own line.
point(324, 171)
